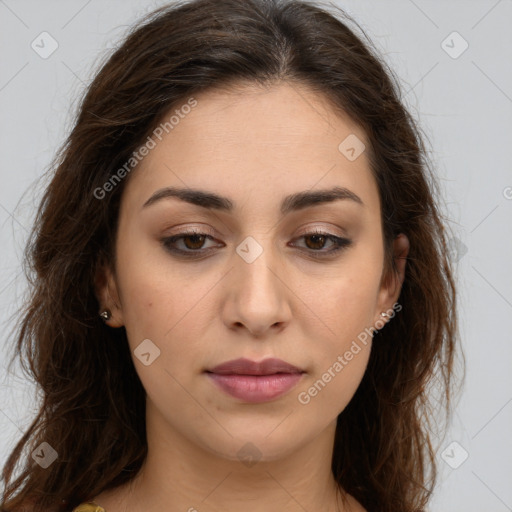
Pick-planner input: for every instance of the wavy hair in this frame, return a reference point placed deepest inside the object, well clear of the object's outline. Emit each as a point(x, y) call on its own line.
point(92, 410)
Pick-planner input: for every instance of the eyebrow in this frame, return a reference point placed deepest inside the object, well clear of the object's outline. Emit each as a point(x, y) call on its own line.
point(293, 202)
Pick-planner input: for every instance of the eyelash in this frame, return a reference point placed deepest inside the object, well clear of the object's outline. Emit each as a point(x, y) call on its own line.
point(340, 244)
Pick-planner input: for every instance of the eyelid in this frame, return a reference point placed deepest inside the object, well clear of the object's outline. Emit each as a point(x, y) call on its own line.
point(195, 230)
point(340, 243)
point(187, 228)
point(322, 230)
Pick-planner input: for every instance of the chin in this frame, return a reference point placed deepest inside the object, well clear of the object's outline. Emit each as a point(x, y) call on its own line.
point(249, 447)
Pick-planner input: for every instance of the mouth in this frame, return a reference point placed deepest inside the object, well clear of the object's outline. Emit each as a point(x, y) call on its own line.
point(255, 382)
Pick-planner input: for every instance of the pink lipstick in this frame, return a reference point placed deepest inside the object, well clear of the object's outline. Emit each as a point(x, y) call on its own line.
point(255, 382)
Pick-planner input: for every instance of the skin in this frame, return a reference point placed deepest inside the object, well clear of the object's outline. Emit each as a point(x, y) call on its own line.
point(253, 145)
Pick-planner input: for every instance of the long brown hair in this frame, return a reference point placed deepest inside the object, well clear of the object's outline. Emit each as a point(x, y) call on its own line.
point(93, 403)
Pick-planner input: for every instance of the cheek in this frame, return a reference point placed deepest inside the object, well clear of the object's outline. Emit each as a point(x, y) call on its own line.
point(155, 295)
point(172, 310)
point(327, 393)
point(341, 349)
point(344, 308)
point(345, 302)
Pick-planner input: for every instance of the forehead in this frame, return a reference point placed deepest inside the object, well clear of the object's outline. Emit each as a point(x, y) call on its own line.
point(270, 141)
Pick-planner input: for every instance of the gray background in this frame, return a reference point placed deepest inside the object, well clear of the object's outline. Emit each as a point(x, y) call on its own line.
point(464, 105)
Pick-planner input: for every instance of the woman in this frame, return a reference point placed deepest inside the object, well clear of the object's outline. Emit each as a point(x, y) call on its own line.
point(240, 293)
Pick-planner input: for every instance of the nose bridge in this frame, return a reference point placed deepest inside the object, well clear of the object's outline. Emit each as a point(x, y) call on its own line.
point(257, 265)
point(258, 297)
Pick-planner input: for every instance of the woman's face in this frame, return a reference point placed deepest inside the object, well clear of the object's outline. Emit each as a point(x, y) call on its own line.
point(257, 282)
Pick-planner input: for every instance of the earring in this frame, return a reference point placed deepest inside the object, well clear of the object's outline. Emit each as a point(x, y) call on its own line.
point(106, 315)
point(384, 314)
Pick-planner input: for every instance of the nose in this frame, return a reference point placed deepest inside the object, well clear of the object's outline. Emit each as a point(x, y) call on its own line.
point(258, 294)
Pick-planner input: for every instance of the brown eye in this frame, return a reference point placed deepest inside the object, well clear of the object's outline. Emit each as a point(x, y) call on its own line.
point(197, 241)
point(318, 241)
point(315, 243)
point(192, 244)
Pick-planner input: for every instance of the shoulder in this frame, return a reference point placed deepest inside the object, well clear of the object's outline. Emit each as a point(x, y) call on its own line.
point(29, 505)
point(354, 505)
point(88, 507)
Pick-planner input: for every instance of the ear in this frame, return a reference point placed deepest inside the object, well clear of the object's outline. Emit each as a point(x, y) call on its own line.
point(107, 294)
point(391, 283)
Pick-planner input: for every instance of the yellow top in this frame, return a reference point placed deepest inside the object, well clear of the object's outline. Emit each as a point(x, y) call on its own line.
point(88, 507)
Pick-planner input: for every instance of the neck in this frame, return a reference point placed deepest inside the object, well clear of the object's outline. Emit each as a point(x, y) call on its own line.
point(180, 474)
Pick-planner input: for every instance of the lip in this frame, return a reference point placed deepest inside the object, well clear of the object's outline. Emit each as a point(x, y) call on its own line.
point(253, 381)
point(243, 366)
